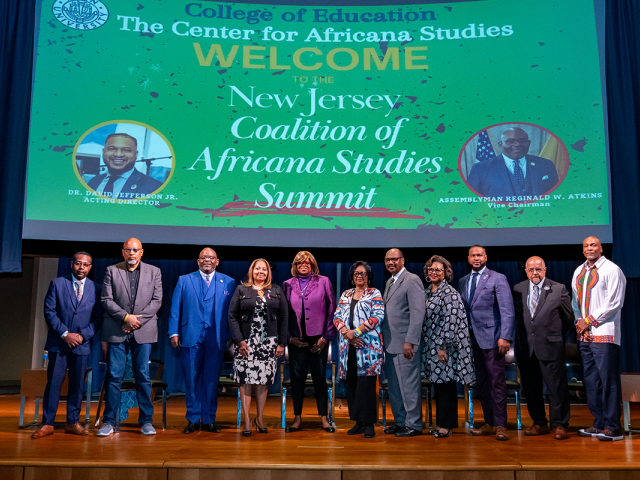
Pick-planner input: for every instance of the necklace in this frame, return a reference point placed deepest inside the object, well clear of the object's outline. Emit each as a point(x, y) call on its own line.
point(256, 288)
point(358, 293)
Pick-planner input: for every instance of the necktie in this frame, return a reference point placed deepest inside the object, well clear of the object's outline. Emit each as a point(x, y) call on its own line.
point(391, 282)
point(587, 288)
point(517, 171)
point(535, 298)
point(474, 281)
point(207, 280)
point(79, 290)
point(108, 188)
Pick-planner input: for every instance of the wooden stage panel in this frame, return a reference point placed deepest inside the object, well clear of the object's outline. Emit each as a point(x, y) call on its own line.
point(578, 475)
point(96, 473)
point(429, 475)
point(11, 473)
point(251, 474)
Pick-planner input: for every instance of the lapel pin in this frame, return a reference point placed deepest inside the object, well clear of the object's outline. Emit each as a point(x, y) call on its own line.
point(547, 287)
point(533, 164)
point(134, 186)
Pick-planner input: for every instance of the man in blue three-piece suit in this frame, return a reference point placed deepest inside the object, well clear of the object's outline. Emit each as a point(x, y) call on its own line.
point(199, 325)
point(73, 313)
point(514, 173)
point(487, 299)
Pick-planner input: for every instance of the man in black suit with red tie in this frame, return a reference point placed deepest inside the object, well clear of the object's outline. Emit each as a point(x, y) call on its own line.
point(543, 316)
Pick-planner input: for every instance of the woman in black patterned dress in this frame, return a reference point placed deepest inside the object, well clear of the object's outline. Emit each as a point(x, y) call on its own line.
point(446, 347)
point(258, 322)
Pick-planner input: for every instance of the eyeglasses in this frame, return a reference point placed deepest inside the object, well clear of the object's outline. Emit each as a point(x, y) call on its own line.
point(534, 270)
point(394, 259)
point(517, 141)
point(360, 274)
point(435, 270)
point(207, 258)
point(80, 264)
point(304, 262)
point(132, 250)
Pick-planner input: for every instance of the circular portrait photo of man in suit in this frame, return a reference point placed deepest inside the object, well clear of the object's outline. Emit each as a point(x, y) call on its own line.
point(124, 160)
point(513, 160)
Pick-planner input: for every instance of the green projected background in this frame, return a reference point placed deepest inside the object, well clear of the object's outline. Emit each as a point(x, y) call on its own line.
point(308, 122)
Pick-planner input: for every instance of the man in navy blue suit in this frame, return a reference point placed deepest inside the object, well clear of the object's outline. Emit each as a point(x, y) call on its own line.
point(73, 314)
point(199, 325)
point(513, 173)
point(123, 180)
point(487, 299)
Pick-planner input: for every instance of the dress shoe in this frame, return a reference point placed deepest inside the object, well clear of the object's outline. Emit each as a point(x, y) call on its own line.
point(560, 434)
point(293, 429)
point(43, 431)
point(75, 429)
point(443, 435)
point(330, 429)
point(357, 429)
point(211, 427)
point(369, 431)
point(190, 428)
point(408, 432)
point(393, 430)
point(486, 429)
point(501, 434)
point(537, 430)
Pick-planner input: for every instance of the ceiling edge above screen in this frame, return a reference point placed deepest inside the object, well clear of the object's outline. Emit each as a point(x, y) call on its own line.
point(396, 138)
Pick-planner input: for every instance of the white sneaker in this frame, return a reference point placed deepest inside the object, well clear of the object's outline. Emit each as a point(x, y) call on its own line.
point(147, 429)
point(105, 430)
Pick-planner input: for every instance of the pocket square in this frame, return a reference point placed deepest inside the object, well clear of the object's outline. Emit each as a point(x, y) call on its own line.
point(546, 177)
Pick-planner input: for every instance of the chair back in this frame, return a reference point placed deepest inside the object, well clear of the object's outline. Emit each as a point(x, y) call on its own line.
point(572, 354)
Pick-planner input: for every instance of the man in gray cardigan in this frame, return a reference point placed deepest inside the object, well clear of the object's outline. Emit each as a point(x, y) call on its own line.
point(402, 330)
point(131, 298)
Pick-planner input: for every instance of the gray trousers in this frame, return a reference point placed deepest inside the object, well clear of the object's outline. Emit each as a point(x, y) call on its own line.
point(405, 393)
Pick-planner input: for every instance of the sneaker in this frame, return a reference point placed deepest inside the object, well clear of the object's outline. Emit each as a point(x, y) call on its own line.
point(589, 432)
point(105, 430)
point(609, 436)
point(147, 429)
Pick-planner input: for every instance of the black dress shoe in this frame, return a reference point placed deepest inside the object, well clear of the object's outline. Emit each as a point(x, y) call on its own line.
point(258, 428)
point(330, 429)
point(369, 431)
point(190, 428)
point(357, 429)
point(393, 430)
point(246, 433)
point(292, 429)
point(408, 432)
point(211, 427)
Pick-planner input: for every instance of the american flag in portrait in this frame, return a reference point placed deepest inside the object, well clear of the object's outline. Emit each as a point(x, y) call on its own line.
point(485, 149)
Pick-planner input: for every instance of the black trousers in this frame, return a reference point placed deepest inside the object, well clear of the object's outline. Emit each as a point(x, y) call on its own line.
point(446, 396)
point(533, 372)
point(361, 392)
point(301, 360)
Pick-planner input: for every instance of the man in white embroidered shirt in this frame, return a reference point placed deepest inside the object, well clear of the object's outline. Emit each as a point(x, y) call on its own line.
point(123, 180)
point(598, 295)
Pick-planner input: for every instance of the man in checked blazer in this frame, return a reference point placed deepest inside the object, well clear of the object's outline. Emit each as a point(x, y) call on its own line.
point(401, 333)
point(487, 298)
point(131, 298)
point(543, 316)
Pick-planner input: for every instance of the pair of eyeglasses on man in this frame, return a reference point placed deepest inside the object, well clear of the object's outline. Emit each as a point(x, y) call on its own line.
point(534, 270)
point(359, 274)
point(80, 264)
point(435, 270)
point(392, 259)
point(132, 250)
point(207, 258)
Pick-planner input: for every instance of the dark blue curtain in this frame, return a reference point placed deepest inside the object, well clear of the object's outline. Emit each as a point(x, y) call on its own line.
point(16, 57)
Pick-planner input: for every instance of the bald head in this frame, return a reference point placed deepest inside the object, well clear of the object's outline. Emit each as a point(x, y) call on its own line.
point(536, 270)
point(394, 261)
point(592, 250)
point(132, 253)
point(515, 143)
point(208, 261)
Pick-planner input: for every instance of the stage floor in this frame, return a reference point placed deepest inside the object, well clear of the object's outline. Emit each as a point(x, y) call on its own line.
point(311, 454)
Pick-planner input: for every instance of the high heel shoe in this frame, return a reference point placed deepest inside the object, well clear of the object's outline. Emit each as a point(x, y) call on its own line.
point(246, 433)
point(260, 430)
point(443, 435)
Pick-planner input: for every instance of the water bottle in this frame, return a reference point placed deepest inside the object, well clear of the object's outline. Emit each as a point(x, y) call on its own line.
point(45, 360)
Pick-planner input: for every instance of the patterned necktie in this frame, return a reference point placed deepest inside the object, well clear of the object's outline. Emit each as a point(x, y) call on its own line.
point(207, 280)
point(474, 281)
point(535, 298)
point(108, 188)
point(79, 290)
point(517, 171)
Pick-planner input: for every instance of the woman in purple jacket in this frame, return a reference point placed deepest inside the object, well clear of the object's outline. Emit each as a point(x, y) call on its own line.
point(311, 307)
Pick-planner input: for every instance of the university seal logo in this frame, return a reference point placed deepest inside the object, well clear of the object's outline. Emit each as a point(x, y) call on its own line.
point(81, 14)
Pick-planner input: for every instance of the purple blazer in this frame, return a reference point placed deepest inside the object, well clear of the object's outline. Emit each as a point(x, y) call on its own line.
point(319, 303)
